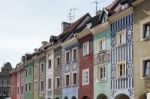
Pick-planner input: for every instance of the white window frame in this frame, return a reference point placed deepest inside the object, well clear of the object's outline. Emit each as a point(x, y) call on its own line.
point(73, 54)
point(142, 23)
point(56, 82)
point(66, 79)
point(66, 56)
point(141, 66)
point(87, 44)
point(99, 72)
point(123, 37)
point(102, 40)
point(83, 75)
point(76, 77)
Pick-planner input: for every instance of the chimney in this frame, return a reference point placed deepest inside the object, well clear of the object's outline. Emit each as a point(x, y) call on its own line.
point(64, 25)
point(44, 43)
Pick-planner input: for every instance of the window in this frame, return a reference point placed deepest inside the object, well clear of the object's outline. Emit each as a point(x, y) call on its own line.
point(102, 73)
point(42, 67)
point(74, 54)
point(58, 61)
point(49, 83)
point(74, 78)
point(30, 86)
point(85, 48)
point(67, 80)
point(121, 70)
point(57, 82)
point(67, 56)
point(22, 89)
point(49, 64)
point(102, 45)
point(121, 37)
point(146, 68)
point(26, 89)
point(30, 71)
point(26, 72)
point(146, 31)
point(18, 90)
point(85, 77)
point(42, 85)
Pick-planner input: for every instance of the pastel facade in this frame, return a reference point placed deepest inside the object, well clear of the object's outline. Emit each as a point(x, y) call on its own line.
point(70, 69)
point(42, 76)
point(49, 73)
point(86, 64)
point(13, 84)
point(28, 79)
point(122, 55)
point(102, 65)
point(141, 49)
point(57, 72)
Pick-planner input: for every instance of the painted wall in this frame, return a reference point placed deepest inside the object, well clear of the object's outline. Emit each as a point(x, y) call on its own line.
point(13, 85)
point(22, 83)
point(18, 85)
point(122, 53)
point(29, 79)
point(69, 68)
point(57, 73)
point(102, 87)
point(86, 62)
point(50, 73)
point(141, 49)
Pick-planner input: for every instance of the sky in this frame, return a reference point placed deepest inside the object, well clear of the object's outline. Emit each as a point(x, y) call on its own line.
point(24, 24)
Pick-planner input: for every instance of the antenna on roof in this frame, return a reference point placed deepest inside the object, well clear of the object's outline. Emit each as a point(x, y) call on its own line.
point(71, 14)
point(96, 4)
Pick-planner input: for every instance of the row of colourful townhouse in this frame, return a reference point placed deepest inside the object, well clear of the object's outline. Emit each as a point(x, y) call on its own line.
point(102, 57)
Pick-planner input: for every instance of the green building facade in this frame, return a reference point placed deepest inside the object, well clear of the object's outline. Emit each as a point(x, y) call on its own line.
point(28, 80)
point(102, 66)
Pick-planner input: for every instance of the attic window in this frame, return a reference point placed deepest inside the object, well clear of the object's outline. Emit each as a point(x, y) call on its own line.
point(89, 25)
point(125, 6)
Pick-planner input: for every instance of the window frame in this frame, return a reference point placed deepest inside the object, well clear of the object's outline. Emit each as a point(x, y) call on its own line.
point(67, 61)
point(56, 60)
point(142, 67)
point(87, 48)
point(99, 72)
point(100, 44)
point(83, 75)
point(67, 74)
point(121, 37)
point(56, 86)
point(118, 74)
point(42, 85)
point(74, 59)
point(49, 83)
point(142, 23)
point(75, 72)
point(49, 64)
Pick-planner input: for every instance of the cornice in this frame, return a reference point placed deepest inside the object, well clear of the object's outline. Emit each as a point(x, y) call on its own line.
point(136, 2)
point(118, 16)
point(69, 42)
point(100, 28)
point(83, 33)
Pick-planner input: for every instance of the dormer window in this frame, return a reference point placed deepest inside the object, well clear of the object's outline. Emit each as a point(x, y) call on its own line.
point(89, 25)
point(125, 6)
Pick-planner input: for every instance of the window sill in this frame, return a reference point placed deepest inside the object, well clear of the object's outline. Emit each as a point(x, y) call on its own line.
point(86, 55)
point(101, 81)
point(146, 77)
point(102, 51)
point(120, 45)
point(146, 38)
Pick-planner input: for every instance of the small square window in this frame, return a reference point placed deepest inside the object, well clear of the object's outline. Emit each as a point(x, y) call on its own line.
point(146, 68)
point(85, 48)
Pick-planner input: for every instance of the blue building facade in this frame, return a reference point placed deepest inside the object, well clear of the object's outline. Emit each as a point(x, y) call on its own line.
point(122, 55)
